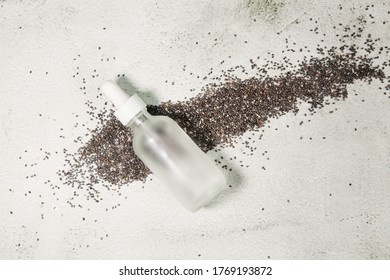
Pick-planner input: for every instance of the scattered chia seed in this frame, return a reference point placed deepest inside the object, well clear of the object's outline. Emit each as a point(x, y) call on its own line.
point(226, 108)
point(217, 116)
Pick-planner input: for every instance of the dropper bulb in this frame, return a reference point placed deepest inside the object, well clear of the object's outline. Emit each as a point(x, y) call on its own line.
point(114, 93)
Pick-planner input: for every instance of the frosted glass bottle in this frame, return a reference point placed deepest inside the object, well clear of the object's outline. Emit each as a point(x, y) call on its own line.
point(168, 151)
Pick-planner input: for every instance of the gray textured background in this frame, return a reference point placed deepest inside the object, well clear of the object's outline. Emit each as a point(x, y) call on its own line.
point(301, 206)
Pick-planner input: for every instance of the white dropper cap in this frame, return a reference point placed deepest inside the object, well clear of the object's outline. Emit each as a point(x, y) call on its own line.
point(128, 107)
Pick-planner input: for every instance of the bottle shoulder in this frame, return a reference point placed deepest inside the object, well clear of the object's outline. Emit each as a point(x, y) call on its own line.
point(155, 124)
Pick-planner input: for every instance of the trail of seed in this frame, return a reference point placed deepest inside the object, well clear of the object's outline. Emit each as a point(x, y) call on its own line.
point(217, 116)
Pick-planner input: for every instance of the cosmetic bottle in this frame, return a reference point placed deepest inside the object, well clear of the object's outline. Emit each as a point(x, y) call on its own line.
point(168, 151)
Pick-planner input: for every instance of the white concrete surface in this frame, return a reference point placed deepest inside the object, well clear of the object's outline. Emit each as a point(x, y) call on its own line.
point(301, 207)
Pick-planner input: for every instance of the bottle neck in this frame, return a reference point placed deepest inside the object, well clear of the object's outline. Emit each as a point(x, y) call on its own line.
point(139, 119)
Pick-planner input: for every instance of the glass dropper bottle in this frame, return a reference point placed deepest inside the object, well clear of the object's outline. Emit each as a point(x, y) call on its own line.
point(168, 151)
